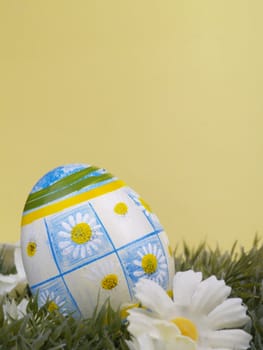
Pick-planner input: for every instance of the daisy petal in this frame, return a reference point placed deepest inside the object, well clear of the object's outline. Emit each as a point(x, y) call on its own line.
point(21, 307)
point(210, 293)
point(138, 273)
point(14, 311)
point(93, 223)
point(144, 250)
point(95, 228)
point(182, 343)
point(64, 234)
point(66, 226)
point(64, 244)
point(133, 345)
point(88, 250)
point(229, 314)
point(229, 339)
point(137, 263)
point(75, 253)
point(67, 250)
point(163, 335)
point(82, 252)
point(140, 322)
point(168, 330)
point(142, 342)
point(154, 297)
point(161, 258)
point(93, 246)
point(86, 218)
point(7, 283)
point(71, 221)
point(78, 218)
point(184, 285)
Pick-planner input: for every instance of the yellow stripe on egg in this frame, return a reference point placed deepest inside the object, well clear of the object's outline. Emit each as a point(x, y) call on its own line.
point(82, 197)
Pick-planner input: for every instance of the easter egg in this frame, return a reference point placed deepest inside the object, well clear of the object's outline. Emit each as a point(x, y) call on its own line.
point(85, 234)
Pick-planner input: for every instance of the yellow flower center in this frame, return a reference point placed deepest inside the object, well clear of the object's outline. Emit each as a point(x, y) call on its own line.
point(186, 327)
point(121, 208)
point(145, 205)
point(52, 306)
point(81, 233)
point(31, 248)
point(124, 313)
point(110, 281)
point(149, 263)
point(170, 293)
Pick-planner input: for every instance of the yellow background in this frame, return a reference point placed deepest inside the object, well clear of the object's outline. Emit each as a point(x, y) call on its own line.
point(167, 95)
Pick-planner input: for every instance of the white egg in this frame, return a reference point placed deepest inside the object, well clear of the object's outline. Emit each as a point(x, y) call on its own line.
point(84, 234)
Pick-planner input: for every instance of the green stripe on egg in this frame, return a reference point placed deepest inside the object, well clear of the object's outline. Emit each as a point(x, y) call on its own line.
point(63, 190)
point(66, 181)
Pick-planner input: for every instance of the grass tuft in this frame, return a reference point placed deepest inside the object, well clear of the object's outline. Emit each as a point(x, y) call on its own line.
point(40, 329)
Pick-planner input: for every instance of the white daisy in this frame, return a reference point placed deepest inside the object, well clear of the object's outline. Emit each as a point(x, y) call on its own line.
point(56, 302)
point(18, 280)
point(14, 311)
point(80, 236)
point(156, 334)
point(200, 309)
point(150, 263)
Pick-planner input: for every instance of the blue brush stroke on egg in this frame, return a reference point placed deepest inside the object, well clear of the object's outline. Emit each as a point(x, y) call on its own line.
point(57, 174)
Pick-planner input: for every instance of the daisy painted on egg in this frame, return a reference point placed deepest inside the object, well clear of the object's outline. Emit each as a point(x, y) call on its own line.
point(145, 207)
point(80, 236)
point(105, 276)
point(55, 301)
point(31, 245)
point(150, 263)
point(106, 279)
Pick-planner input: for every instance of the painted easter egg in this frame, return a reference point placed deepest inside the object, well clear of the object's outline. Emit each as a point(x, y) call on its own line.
point(85, 233)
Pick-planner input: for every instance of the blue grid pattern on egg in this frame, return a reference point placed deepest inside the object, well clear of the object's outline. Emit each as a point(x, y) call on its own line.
point(71, 257)
point(129, 257)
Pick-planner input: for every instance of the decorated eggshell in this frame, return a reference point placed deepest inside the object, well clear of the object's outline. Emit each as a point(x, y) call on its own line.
point(84, 233)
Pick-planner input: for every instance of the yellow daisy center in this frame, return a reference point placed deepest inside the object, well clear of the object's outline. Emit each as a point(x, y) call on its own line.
point(149, 263)
point(145, 205)
point(110, 281)
point(52, 306)
point(31, 248)
point(170, 293)
point(124, 313)
point(81, 233)
point(121, 208)
point(186, 327)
